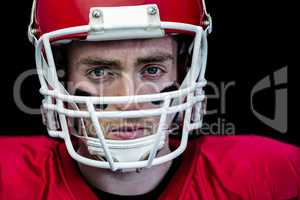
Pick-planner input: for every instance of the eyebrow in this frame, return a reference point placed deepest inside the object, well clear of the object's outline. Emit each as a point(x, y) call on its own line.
point(99, 61)
point(157, 57)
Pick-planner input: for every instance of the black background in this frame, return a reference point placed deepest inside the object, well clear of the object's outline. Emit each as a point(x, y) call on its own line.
point(249, 41)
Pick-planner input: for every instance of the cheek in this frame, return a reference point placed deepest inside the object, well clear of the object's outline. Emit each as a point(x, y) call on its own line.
point(73, 80)
point(77, 80)
point(146, 87)
point(167, 80)
point(173, 73)
point(170, 77)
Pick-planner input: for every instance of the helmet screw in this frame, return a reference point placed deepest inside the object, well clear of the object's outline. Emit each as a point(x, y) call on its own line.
point(61, 73)
point(206, 22)
point(96, 14)
point(33, 31)
point(152, 10)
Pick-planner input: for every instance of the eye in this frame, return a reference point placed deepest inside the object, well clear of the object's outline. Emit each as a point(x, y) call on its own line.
point(98, 73)
point(152, 71)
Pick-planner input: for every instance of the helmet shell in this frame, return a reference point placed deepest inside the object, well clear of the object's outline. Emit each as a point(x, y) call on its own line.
point(51, 15)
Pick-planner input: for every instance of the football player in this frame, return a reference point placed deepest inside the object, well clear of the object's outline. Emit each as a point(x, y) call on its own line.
point(122, 85)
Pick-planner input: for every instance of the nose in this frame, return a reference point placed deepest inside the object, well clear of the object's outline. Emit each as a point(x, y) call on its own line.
point(127, 87)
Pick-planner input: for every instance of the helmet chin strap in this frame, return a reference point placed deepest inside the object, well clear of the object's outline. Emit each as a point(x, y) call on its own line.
point(124, 150)
point(121, 150)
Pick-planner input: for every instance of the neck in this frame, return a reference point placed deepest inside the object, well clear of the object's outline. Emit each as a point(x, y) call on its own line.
point(126, 183)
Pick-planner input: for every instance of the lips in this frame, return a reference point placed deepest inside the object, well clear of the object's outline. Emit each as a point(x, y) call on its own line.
point(127, 132)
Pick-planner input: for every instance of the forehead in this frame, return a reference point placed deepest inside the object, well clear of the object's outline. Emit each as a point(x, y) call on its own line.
point(123, 47)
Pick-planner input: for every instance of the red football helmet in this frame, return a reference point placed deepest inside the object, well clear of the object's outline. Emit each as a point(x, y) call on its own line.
point(53, 15)
point(61, 21)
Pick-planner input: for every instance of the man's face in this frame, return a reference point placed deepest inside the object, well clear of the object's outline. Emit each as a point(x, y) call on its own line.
point(122, 68)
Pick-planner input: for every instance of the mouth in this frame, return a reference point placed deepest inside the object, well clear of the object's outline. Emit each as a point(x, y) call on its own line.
point(127, 132)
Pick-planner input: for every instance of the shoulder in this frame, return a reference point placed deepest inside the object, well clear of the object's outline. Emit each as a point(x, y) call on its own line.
point(28, 163)
point(37, 140)
point(27, 145)
point(251, 149)
point(248, 145)
point(27, 153)
point(39, 167)
point(256, 163)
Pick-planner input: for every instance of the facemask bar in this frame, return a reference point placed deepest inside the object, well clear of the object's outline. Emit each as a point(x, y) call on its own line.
point(31, 30)
point(193, 74)
point(160, 132)
point(60, 97)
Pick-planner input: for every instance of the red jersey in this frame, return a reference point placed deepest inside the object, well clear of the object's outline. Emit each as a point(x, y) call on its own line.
point(212, 167)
